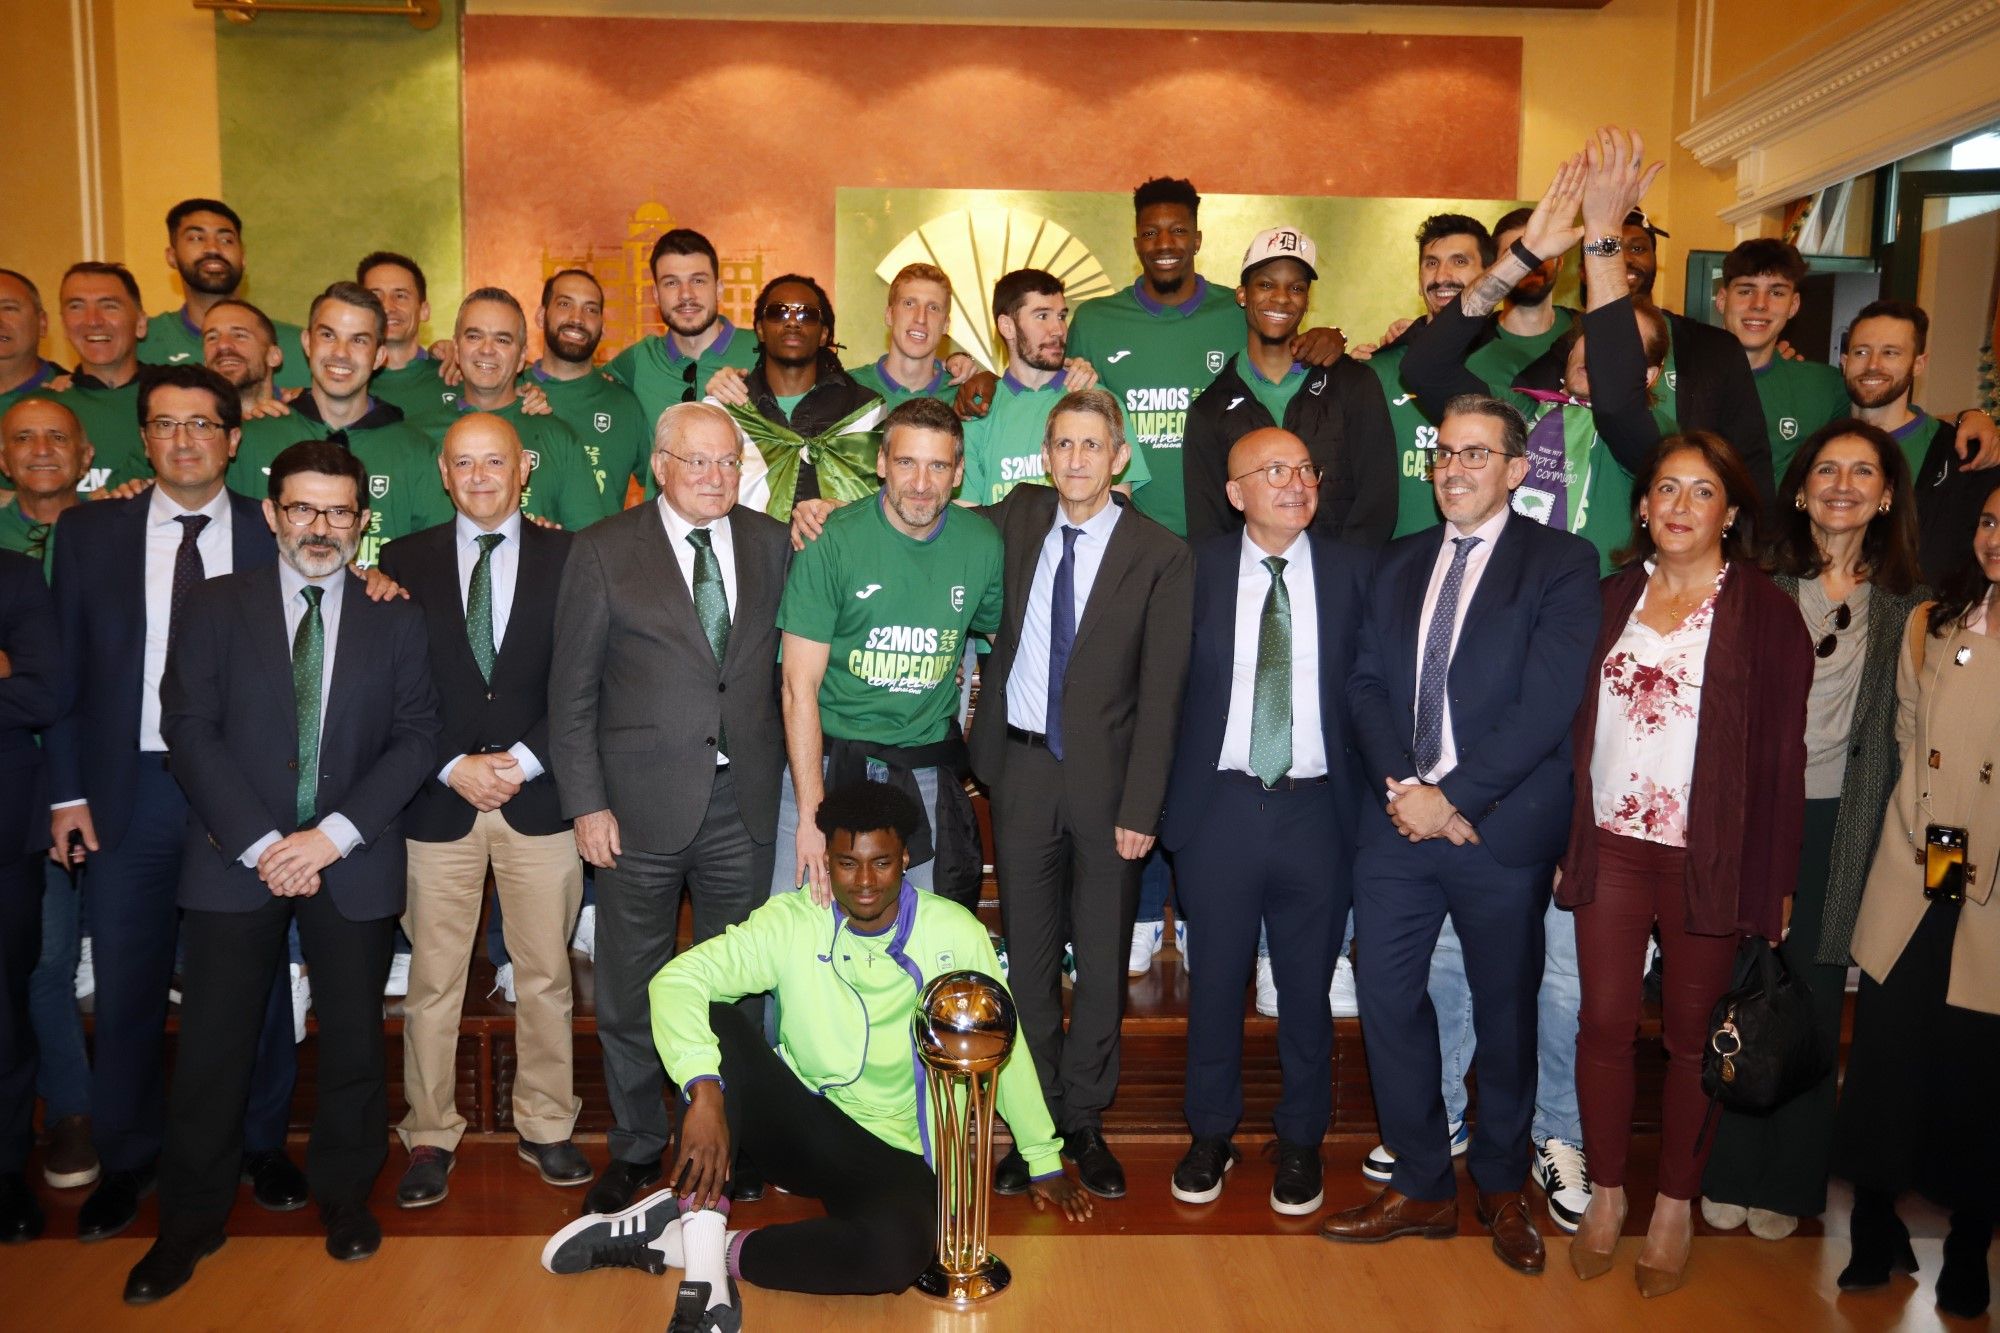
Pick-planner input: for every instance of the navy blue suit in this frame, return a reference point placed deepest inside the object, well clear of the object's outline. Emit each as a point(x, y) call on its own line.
point(1246, 857)
point(140, 815)
point(1516, 676)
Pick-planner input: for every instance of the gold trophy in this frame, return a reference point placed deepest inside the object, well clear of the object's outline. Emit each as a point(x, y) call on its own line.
point(964, 1029)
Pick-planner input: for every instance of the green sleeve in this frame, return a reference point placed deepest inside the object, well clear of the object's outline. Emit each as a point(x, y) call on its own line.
point(809, 606)
point(986, 619)
point(974, 487)
point(740, 961)
point(622, 366)
point(1017, 1092)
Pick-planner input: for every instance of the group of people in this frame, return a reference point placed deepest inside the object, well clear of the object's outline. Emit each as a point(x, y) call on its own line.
point(1398, 650)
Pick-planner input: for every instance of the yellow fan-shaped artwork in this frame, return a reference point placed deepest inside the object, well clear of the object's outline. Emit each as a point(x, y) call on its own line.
point(975, 246)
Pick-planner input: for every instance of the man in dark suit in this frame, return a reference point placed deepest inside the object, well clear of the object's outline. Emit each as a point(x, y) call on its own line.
point(1080, 699)
point(1261, 807)
point(302, 720)
point(667, 742)
point(28, 657)
point(487, 584)
point(1474, 648)
point(123, 572)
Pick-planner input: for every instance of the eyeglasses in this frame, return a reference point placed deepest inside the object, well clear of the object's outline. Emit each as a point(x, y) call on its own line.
point(303, 515)
point(790, 312)
point(687, 379)
point(1840, 620)
point(1472, 458)
point(702, 463)
point(1280, 474)
point(162, 429)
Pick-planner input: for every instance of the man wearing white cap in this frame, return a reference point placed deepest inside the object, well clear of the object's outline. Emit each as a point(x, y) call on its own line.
point(1337, 410)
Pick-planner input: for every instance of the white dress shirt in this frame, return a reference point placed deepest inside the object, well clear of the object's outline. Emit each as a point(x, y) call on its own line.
point(337, 827)
point(163, 541)
point(503, 568)
point(720, 542)
point(1475, 565)
point(1028, 682)
point(1253, 584)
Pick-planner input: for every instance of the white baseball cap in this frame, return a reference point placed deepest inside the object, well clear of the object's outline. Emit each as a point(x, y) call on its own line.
point(1282, 243)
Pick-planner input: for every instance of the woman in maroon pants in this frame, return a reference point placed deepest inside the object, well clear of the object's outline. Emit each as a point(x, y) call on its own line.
point(1689, 797)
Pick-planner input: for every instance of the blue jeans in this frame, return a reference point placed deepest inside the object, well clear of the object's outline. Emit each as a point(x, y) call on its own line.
point(1156, 886)
point(62, 1078)
point(1556, 1004)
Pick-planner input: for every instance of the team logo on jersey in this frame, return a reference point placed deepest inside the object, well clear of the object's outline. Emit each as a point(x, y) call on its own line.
point(1233, 402)
point(602, 421)
point(1215, 360)
point(448, 397)
point(378, 486)
point(176, 358)
point(1788, 428)
point(534, 458)
point(1673, 379)
point(1318, 385)
point(1117, 356)
point(867, 592)
point(958, 596)
point(945, 960)
point(1406, 398)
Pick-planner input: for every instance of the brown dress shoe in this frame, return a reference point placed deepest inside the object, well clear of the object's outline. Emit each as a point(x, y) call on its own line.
point(1391, 1214)
point(1515, 1239)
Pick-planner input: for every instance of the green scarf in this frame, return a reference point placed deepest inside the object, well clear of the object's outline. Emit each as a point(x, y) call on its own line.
point(843, 453)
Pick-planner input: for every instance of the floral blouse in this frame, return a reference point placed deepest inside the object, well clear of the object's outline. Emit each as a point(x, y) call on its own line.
point(1648, 714)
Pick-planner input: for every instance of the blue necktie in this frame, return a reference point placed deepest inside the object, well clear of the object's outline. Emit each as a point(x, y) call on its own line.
point(1062, 635)
point(1437, 660)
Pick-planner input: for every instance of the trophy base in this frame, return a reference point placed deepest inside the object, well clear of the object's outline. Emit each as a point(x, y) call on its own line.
point(963, 1291)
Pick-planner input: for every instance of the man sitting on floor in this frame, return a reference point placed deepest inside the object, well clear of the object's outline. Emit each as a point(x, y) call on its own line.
point(836, 1111)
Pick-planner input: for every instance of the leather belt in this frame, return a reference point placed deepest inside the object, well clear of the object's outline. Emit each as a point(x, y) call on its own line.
point(1026, 737)
point(1282, 784)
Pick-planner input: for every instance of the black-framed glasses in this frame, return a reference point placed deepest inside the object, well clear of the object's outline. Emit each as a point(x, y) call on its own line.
point(1280, 474)
point(1840, 620)
point(303, 515)
point(687, 379)
point(702, 463)
point(1472, 457)
point(162, 429)
point(789, 312)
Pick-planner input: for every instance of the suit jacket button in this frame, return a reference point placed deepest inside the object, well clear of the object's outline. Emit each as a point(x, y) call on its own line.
point(489, 696)
point(710, 740)
point(292, 764)
point(722, 687)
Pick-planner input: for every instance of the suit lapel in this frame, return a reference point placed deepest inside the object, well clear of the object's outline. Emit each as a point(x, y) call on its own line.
point(250, 541)
point(532, 571)
point(1023, 554)
point(352, 651)
point(1121, 553)
point(264, 613)
point(1411, 587)
point(1500, 576)
point(750, 589)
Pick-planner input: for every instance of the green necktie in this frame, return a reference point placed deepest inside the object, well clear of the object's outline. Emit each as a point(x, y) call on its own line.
point(308, 664)
point(1271, 699)
point(479, 606)
point(711, 605)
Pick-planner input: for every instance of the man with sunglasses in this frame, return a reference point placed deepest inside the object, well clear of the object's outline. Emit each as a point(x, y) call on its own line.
point(1337, 410)
point(675, 366)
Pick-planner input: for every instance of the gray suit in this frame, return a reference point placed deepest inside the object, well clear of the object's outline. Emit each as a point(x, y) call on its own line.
point(637, 703)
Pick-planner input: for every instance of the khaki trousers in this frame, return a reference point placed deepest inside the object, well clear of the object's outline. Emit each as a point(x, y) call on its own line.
point(540, 882)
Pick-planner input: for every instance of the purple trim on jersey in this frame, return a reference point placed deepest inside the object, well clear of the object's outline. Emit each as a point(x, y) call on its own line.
point(1909, 428)
point(1298, 368)
point(44, 372)
point(187, 323)
point(719, 346)
point(937, 379)
point(1187, 307)
point(906, 921)
point(1019, 387)
point(687, 1089)
point(882, 503)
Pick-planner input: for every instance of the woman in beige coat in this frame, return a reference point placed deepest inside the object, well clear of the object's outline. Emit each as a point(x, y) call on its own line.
point(1924, 1071)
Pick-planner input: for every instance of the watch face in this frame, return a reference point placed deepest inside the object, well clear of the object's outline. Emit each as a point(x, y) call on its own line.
point(1605, 246)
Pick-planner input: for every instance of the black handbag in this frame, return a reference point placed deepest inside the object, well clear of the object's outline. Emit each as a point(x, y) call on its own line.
point(1763, 1047)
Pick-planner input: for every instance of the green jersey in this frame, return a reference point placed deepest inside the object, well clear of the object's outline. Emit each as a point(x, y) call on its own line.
point(172, 339)
point(1156, 359)
point(34, 540)
point(1275, 395)
point(1499, 359)
point(560, 486)
point(1798, 398)
point(110, 420)
point(1004, 447)
point(1416, 437)
point(660, 376)
point(44, 372)
point(1574, 481)
point(616, 438)
point(876, 379)
point(893, 611)
point(844, 1006)
point(418, 392)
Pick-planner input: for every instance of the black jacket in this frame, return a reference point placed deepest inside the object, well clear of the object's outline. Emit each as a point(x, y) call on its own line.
point(477, 716)
point(1948, 503)
point(1339, 413)
point(835, 394)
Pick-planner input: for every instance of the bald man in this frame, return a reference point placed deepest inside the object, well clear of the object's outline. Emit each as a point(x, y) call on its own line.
point(487, 584)
point(44, 454)
point(1261, 804)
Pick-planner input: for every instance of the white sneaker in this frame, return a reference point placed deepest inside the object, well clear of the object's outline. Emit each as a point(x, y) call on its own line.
point(584, 941)
point(86, 973)
point(1180, 943)
point(1561, 1173)
point(1146, 940)
point(302, 994)
point(1069, 965)
point(1342, 997)
point(503, 983)
point(399, 975)
point(1380, 1163)
point(1267, 989)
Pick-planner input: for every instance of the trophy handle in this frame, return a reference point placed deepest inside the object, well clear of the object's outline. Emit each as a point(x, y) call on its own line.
point(965, 1273)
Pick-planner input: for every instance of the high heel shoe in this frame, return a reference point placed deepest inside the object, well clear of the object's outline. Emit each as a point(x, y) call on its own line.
point(1963, 1288)
point(1587, 1264)
point(1880, 1244)
point(1660, 1281)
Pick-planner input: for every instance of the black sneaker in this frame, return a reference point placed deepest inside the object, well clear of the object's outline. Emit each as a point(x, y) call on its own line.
point(1296, 1191)
point(620, 1184)
point(1198, 1179)
point(615, 1240)
point(1010, 1173)
point(693, 1314)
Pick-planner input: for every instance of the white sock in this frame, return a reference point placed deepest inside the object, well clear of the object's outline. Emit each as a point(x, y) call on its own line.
point(669, 1244)
point(705, 1247)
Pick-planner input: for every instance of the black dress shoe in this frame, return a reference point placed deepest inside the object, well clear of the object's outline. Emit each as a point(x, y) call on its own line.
point(1010, 1173)
point(619, 1185)
point(1096, 1169)
point(746, 1182)
point(424, 1182)
point(1964, 1288)
point(275, 1183)
point(1880, 1243)
point(113, 1204)
point(166, 1268)
point(21, 1216)
point(351, 1231)
point(560, 1163)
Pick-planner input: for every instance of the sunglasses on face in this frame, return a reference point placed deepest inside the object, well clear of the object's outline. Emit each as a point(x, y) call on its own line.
point(790, 312)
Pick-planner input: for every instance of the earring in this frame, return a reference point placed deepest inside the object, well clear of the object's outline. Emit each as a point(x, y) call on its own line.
point(1642, 522)
point(1884, 508)
point(1798, 502)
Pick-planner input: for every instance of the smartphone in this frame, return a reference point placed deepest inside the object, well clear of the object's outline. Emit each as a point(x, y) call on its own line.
point(1944, 862)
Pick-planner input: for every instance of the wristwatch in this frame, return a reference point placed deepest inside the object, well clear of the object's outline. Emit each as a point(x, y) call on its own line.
point(1604, 246)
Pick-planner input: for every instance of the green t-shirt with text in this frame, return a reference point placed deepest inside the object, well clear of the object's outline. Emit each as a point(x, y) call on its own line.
point(656, 372)
point(1416, 437)
point(110, 420)
point(405, 493)
point(171, 341)
point(607, 420)
point(894, 612)
point(874, 377)
point(419, 392)
point(1505, 355)
point(1004, 447)
point(560, 487)
point(1798, 398)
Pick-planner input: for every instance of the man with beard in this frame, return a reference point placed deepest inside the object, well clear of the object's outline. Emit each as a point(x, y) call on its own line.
point(1336, 410)
point(1529, 322)
point(409, 375)
point(23, 325)
point(103, 320)
point(674, 367)
point(616, 435)
point(205, 246)
point(240, 343)
point(292, 821)
point(1885, 350)
point(1004, 447)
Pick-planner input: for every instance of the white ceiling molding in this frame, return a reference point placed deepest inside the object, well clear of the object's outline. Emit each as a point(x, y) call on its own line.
point(1919, 76)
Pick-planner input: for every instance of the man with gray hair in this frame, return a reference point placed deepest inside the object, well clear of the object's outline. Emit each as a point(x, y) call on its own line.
point(667, 743)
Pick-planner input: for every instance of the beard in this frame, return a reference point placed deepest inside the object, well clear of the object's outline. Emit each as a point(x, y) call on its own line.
point(1533, 296)
point(316, 556)
point(198, 281)
point(1039, 359)
point(571, 342)
point(1881, 397)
